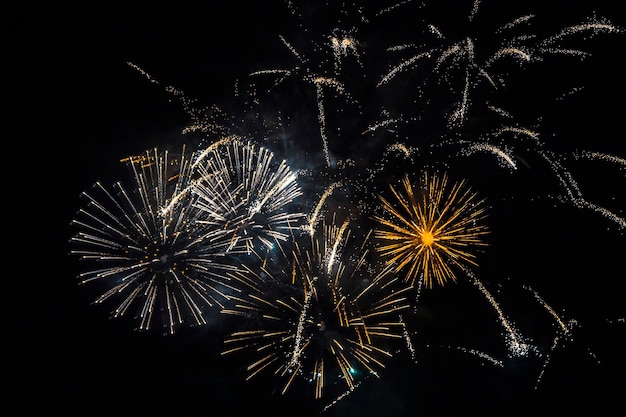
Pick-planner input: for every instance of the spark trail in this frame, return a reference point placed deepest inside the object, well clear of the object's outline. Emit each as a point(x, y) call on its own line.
point(314, 216)
point(516, 345)
point(563, 334)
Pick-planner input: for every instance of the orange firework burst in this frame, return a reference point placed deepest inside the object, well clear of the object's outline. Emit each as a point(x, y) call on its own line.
point(430, 232)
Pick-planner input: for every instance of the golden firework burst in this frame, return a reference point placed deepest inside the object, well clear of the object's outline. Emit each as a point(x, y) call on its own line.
point(431, 230)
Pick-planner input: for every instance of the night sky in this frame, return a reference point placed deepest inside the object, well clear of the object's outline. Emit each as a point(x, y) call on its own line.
point(78, 108)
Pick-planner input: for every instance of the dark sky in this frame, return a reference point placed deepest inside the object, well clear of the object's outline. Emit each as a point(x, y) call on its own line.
point(77, 108)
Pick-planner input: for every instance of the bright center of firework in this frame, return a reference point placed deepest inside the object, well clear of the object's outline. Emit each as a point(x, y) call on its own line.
point(163, 259)
point(427, 238)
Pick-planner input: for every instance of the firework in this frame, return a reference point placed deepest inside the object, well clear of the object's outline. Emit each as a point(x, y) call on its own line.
point(323, 306)
point(146, 248)
point(474, 62)
point(430, 230)
point(331, 318)
point(452, 55)
point(242, 188)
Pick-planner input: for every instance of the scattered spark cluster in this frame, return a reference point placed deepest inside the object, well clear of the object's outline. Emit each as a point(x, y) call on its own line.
point(309, 247)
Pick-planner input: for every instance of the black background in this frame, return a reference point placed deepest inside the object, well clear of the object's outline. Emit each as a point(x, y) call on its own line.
point(75, 107)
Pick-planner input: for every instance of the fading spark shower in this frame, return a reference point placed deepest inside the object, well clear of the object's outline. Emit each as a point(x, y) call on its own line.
point(384, 192)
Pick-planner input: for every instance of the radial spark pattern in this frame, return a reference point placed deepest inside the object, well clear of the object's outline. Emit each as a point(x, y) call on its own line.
point(145, 248)
point(429, 231)
point(326, 319)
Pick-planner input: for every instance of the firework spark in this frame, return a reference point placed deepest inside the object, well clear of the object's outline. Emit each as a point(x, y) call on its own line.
point(431, 231)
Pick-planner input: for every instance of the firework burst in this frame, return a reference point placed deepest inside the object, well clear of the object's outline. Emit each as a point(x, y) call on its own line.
point(326, 317)
point(149, 251)
point(431, 230)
